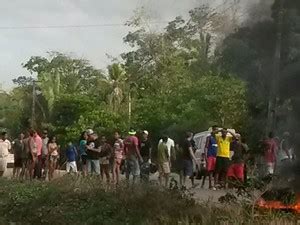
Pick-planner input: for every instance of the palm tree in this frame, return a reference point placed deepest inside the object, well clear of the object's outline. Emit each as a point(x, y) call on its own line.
point(116, 79)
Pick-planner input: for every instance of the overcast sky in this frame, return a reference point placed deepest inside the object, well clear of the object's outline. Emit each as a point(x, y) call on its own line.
point(93, 43)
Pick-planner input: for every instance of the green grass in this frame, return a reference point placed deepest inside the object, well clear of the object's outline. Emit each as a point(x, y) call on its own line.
point(71, 200)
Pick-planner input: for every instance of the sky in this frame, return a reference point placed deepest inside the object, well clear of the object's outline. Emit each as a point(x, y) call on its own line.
point(18, 43)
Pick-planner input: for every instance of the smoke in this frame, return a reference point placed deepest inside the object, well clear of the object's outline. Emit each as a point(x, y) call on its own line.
point(258, 11)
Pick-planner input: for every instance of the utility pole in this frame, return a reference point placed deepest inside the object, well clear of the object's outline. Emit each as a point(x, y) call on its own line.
point(33, 105)
point(273, 98)
point(129, 107)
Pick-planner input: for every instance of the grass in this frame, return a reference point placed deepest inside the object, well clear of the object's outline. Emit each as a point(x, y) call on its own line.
point(71, 200)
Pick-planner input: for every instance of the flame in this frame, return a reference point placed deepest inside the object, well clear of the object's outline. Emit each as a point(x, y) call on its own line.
point(279, 205)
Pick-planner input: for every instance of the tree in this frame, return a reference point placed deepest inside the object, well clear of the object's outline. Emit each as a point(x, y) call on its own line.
point(116, 79)
point(61, 74)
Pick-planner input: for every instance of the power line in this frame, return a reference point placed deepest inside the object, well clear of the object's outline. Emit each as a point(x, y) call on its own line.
point(72, 26)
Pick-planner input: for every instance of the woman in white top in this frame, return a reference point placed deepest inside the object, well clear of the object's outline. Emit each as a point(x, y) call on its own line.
point(4, 150)
point(53, 154)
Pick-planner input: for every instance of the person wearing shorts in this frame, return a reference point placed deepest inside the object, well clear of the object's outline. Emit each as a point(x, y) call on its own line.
point(270, 154)
point(82, 152)
point(71, 154)
point(223, 156)
point(18, 149)
point(118, 154)
point(211, 149)
point(93, 153)
point(133, 156)
point(187, 159)
point(33, 153)
point(163, 160)
point(53, 156)
point(235, 173)
point(105, 157)
point(4, 150)
point(45, 161)
point(145, 150)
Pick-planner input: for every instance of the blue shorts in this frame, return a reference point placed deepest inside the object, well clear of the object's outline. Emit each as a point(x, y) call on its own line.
point(187, 167)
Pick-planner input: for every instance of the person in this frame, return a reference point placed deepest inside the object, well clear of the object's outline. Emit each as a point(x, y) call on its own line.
point(171, 148)
point(118, 153)
point(39, 146)
point(27, 158)
point(286, 148)
point(4, 151)
point(105, 157)
point(45, 140)
point(235, 173)
point(93, 153)
point(146, 150)
point(223, 155)
point(196, 169)
point(18, 150)
point(270, 147)
point(83, 152)
point(202, 174)
point(163, 159)
point(53, 154)
point(211, 149)
point(187, 159)
point(133, 156)
point(285, 153)
point(71, 154)
point(33, 153)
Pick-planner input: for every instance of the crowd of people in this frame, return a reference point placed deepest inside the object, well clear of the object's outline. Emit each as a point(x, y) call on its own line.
point(37, 156)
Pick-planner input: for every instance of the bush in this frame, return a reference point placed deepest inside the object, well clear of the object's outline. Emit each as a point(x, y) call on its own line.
point(72, 200)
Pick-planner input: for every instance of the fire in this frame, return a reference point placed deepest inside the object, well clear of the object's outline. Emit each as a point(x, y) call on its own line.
point(278, 205)
point(297, 205)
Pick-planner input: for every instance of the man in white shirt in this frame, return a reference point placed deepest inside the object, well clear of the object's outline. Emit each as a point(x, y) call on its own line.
point(5, 147)
point(171, 147)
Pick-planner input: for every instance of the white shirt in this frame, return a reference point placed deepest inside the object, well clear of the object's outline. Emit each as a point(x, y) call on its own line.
point(5, 146)
point(170, 143)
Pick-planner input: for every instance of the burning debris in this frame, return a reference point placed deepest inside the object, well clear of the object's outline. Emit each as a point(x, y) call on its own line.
point(283, 199)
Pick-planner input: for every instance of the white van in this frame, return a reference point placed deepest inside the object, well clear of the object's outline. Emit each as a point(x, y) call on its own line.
point(200, 141)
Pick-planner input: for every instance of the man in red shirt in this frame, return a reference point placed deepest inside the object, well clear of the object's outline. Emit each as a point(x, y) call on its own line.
point(133, 156)
point(270, 153)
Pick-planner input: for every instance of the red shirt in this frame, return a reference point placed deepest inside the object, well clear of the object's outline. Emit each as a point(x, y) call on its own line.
point(131, 144)
point(270, 150)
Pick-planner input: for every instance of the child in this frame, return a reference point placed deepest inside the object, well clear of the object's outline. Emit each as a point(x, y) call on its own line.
point(118, 155)
point(71, 154)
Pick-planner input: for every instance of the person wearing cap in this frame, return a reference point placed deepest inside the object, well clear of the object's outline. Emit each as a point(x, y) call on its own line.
point(146, 149)
point(133, 156)
point(93, 153)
